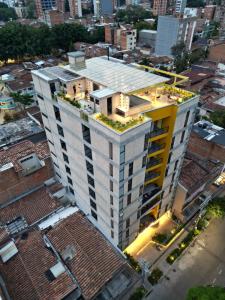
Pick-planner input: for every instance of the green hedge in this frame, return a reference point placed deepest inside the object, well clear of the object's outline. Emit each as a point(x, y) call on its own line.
point(133, 262)
point(155, 275)
point(138, 294)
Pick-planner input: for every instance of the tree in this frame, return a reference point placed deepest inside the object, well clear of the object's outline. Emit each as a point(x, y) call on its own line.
point(23, 99)
point(218, 118)
point(132, 14)
point(178, 49)
point(195, 3)
point(206, 293)
point(7, 117)
point(7, 13)
point(216, 208)
point(31, 9)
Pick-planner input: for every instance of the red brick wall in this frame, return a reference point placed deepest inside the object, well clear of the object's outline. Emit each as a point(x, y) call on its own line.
point(206, 148)
point(13, 184)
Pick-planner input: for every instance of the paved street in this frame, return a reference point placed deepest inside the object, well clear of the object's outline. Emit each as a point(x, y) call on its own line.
point(202, 264)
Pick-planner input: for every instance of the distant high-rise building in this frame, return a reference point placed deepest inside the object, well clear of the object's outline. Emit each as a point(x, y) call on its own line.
point(44, 5)
point(159, 7)
point(180, 6)
point(172, 31)
point(75, 8)
point(103, 7)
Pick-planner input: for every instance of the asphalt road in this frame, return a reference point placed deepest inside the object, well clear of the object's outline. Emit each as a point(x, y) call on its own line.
point(202, 264)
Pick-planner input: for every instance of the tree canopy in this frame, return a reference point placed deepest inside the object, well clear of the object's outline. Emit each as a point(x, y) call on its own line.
point(216, 208)
point(195, 3)
point(218, 118)
point(18, 41)
point(132, 14)
point(7, 13)
point(206, 293)
point(23, 99)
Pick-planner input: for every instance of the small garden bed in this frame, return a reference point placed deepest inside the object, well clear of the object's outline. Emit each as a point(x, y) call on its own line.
point(133, 262)
point(182, 246)
point(165, 238)
point(155, 275)
point(118, 126)
point(138, 294)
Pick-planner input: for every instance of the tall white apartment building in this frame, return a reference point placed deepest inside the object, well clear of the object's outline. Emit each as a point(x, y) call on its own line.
point(180, 6)
point(117, 136)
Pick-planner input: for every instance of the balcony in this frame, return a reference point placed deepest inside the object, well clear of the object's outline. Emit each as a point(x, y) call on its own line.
point(158, 131)
point(151, 175)
point(150, 205)
point(150, 191)
point(153, 162)
point(156, 147)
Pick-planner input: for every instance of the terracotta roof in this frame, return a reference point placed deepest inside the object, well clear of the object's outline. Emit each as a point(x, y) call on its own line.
point(14, 153)
point(24, 274)
point(196, 171)
point(32, 207)
point(3, 234)
point(95, 261)
point(213, 106)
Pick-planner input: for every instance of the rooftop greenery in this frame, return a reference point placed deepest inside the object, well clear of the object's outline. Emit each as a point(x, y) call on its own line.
point(72, 102)
point(118, 126)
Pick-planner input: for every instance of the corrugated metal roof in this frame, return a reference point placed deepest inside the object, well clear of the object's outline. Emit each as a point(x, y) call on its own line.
point(117, 76)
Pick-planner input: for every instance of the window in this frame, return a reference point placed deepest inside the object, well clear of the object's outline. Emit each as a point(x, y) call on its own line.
point(44, 115)
point(53, 153)
point(176, 163)
point(129, 185)
point(112, 234)
point(63, 145)
point(89, 167)
point(169, 158)
point(51, 142)
point(71, 190)
point(57, 174)
point(111, 199)
point(88, 152)
point(94, 215)
point(127, 222)
point(60, 130)
point(127, 233)
point(173, 177)
point(93, 204)
point(57, 166)
point(40, 97)
point(57, 113)
point(182, 137)
point(173, 141)
point(86, 133)
point(111, 185)
point(146, 142)
point(186, 118)
point(52, 87)
point(91, 180)
point(91, 193)
point(170, 190)
point(144, 161)
point(141, 190)
point(68, 170)
point(131, 166)
point(111, 170)
point(112, 224)
point(65, 157)
point(167, 170)
point(128, 199)
point(47, 129)
point(69, 180)
point(110, 150)
point(111, 212)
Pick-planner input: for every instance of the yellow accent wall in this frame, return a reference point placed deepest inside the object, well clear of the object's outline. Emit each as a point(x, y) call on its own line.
point(168, 114)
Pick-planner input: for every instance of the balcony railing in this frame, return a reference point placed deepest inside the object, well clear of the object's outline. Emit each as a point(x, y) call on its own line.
point(151, 175)
point(153, 162)
point(156, 147)
point(158, 131)
point(149, 205)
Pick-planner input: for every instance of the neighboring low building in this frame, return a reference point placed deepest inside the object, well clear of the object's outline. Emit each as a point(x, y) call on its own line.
point(53, 252)
point(194, 189)
point(6, 102)
point(23, 167)
point(147, 38)
point(53, 17)
point(21, 84)
point(125, 37)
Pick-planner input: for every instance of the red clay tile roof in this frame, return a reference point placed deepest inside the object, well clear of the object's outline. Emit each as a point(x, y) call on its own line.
point(24, 274)
point(95, 261)
point(14, 153)
point(3, 234)
point(32, 207)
